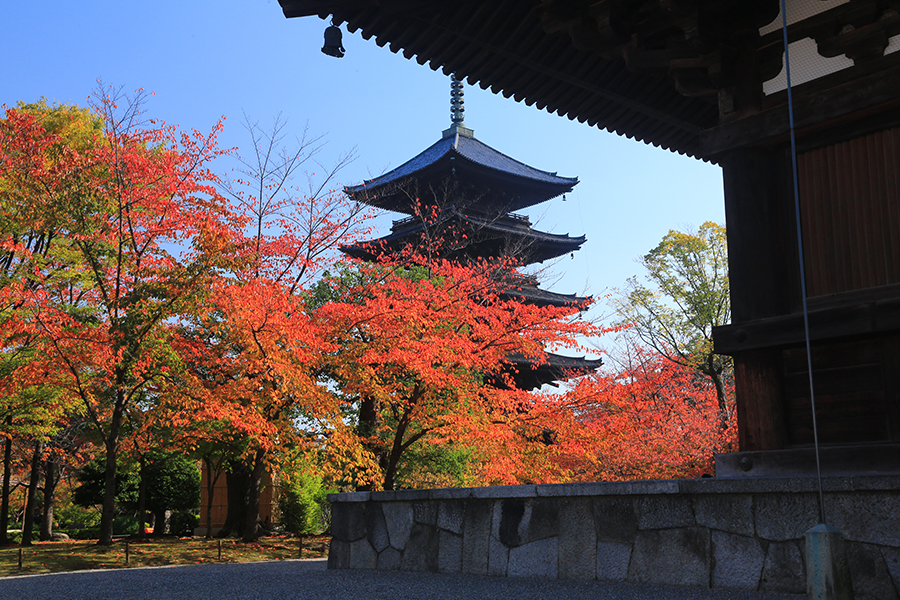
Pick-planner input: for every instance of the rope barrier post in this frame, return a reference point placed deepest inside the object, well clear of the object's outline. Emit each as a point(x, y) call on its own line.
point(220, 550)
point(20, 559)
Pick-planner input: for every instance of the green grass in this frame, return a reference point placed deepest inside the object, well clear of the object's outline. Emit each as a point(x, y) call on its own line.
point(72, 555)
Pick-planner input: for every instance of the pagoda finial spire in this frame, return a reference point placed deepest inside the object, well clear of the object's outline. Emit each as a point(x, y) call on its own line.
point(457, 110)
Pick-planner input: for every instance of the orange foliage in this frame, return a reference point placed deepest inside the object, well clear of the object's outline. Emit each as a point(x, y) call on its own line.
point(651, 419)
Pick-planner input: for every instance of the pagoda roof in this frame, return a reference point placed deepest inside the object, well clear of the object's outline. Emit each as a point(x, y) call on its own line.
point(528, 375)
point(531, 294)
point(487, 236)
point(469, 160)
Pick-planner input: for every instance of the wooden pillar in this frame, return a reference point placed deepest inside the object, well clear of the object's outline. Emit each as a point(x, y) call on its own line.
point(760, 254)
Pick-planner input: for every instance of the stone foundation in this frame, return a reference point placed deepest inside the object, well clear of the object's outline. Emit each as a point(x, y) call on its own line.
point(723, 533)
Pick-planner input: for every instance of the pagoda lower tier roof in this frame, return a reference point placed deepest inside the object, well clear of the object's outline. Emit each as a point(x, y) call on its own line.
point(531, 294)
point(529, 375)
point(492, 177)
point(471, 236)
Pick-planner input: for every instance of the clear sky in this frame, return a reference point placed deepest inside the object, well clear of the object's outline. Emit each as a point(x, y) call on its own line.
point(203, 59)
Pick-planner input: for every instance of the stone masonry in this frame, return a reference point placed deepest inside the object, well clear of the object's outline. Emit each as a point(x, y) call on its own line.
point(722, 533)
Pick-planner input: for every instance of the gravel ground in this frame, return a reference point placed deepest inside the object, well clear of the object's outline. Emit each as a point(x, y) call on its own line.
point(310, 580)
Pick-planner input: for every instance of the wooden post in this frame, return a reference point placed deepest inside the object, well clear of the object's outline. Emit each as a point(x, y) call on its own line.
point(220, 550)
point(126, 553)
point(20, 559)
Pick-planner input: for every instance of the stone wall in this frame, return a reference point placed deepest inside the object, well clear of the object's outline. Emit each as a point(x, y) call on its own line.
point(722, 533)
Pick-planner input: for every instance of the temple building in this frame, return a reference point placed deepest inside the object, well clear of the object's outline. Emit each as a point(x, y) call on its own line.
point(459, 196)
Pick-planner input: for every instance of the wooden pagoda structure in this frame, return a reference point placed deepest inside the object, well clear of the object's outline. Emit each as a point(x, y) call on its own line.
point(707, 79)
point(459, 196)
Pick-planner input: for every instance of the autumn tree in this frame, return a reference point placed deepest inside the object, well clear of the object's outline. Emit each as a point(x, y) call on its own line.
point(423, 348)
point(35, 141)
point(685, 296)
point(253, 352)
point(141, 231)
point(647, 417)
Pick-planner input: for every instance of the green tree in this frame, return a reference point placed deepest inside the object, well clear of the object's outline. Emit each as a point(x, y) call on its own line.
point(686, 294)
point(172, 482)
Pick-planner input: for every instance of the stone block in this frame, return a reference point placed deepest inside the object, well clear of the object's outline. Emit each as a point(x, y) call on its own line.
point(577, 539)
point(498, 557)
point(376, 529)
point(425, 512)
point(868, 517)
point(389, 559)
point(505, 491)
point(451, 515)
point(476, 532)
point(338, 554)
point(784, 569)
point(869, 572)
point(665, 512)
point(541, 520)
point(534, 559)
point(362, 555)
point(615, 519)
point(728, 512)
point(892, 562)
point(451, 493)
point(782, 517)
point(400, 495)
point(398, 518)
point(450, 548)
point(671, 556)
point(738, 561)
point(421, 552)
point(348, 521)
point(350, 497)
point(613, 559)
point(508, 516)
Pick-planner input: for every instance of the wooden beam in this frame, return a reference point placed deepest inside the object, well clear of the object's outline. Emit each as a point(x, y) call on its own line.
point(877, 91)
point(309, 8)
point(877, 317)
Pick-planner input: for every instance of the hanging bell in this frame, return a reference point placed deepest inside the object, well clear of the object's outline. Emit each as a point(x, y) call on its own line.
point(333, 45)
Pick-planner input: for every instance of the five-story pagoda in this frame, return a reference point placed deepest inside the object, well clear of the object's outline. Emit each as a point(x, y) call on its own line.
point(459, 195)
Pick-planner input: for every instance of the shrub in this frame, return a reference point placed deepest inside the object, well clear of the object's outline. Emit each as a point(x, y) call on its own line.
point(183, 522)
point(303, 505)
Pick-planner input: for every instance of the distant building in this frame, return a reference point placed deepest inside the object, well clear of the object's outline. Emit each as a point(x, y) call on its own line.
point(460, 195)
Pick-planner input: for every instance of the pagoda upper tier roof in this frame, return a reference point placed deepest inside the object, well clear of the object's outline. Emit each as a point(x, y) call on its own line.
point(497, 179)
point(471, 235)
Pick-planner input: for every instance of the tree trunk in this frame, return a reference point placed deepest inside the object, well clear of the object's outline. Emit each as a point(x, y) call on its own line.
point(142, 500)
point(109, 489)
point(251, 516)
point(31, 501)
point(210, 491)
point(51, 478)
point(237, 478)
point(367, 427)
point(7, 473)
point(159, 522)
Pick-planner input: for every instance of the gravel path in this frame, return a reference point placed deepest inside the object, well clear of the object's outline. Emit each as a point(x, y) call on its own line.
point(310, 580)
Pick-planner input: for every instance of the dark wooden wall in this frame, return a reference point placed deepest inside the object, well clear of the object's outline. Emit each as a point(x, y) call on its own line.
point(850, 208)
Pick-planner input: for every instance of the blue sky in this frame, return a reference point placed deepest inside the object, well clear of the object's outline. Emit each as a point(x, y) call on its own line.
point(205, 59)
